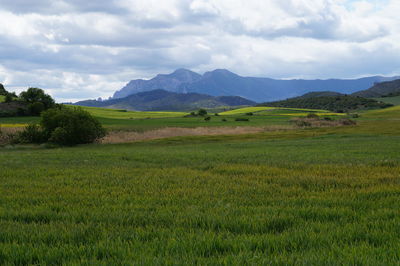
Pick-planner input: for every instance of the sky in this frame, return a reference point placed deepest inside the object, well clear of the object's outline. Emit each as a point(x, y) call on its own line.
point(76, 49)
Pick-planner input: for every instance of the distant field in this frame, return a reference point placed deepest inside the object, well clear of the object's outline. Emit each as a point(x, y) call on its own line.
point(266, 110)
point(124, 114)
point(391, 100)
point(144, 121)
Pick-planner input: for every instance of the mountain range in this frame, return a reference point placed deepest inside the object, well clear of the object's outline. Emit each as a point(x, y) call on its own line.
point(162, 100)
point(222, 82)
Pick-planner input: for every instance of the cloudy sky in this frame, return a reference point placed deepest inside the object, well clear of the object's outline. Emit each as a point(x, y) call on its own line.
point(85, 49)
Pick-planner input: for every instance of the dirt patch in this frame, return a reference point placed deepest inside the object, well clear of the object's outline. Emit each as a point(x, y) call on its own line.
point(129, 136)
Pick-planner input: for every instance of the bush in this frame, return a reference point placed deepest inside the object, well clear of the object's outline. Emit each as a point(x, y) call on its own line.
point(223, 120)
point(70, 126)
point(216, 114)
point(208, 118)
point(312, 115)
point(193, 114)
point(250, 113)
point(31, 134)
point(242, 119)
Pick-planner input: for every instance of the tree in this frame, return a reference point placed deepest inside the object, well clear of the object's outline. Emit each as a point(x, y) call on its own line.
point(33, 95)
point(8, 98)
point(202, 112)
point(36, 108)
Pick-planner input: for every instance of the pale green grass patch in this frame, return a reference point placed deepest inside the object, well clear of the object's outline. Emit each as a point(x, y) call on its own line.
point(124, 114)
point(263, 108)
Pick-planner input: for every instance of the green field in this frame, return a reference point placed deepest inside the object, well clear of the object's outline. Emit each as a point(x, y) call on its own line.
point(391, 100)
point(263, 109)
point(322, 196)
point(143, 121)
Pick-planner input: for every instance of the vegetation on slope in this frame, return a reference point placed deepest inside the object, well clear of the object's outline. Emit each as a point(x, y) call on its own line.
point(314, 94)
point(395, 100)
point(389, 89)
point(337, 104)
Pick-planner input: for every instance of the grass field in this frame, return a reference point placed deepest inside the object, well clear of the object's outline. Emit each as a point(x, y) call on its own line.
point(391, 100)
point(325, 196)
point(264, 110)
point(144, 121)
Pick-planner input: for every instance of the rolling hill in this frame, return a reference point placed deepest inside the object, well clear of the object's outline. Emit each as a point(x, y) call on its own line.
point(223, 82)
point(389, 88)
point(162, 100)
point(337, 104)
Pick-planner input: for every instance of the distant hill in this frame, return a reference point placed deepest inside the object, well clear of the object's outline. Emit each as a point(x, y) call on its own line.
point(389, 89)
point(222, 82)
point(337, 104)
point(162, 100)
point(314, 94)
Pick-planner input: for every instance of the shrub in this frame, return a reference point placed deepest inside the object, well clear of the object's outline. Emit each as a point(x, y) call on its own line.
point(208, 118)
point(223, 120)
point(216, 114)
point(31, 134)
point(250, 113)
point(242, 119)
point(355, 115)
point(70, 126)
point(312, 115)
point(192, 113)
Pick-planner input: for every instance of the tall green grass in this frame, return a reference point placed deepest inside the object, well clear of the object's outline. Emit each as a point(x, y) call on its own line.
point(328, 196)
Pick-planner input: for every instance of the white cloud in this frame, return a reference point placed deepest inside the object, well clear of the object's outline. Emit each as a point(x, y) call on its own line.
point(77, 49)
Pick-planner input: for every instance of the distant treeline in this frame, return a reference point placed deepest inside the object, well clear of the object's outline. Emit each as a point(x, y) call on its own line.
point(339, 104)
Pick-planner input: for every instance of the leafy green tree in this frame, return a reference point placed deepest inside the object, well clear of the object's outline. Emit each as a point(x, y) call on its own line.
point(8, 98)
point(36, 108)
point(202, 112)
point(33, 95)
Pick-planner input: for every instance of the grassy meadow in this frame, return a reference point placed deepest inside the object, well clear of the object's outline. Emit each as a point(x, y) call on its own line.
point(317, 196)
